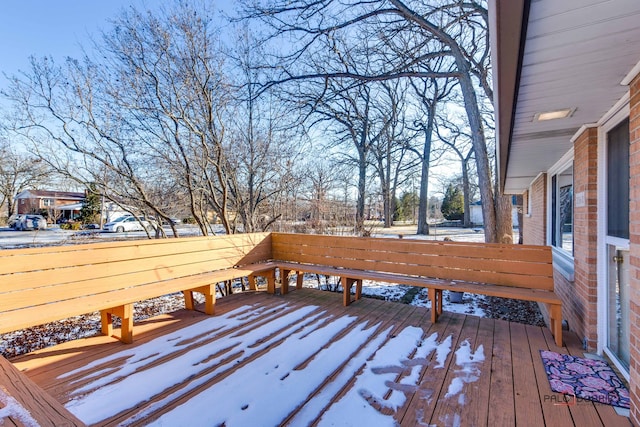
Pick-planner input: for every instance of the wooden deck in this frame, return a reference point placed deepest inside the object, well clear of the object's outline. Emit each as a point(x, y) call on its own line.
point(304, 359)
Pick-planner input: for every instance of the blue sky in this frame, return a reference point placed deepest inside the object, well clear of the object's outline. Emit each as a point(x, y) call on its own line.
point(46, 27)
point(55, 28)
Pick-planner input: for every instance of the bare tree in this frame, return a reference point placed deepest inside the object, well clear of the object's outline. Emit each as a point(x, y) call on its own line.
point(459, 142)
point(457, 31)
point(430, 93)
point(152, 119)
point(18, 172)
point(391, 152)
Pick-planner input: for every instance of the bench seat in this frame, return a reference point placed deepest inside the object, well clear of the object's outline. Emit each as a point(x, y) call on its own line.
point(521, 272)
point(42, 285)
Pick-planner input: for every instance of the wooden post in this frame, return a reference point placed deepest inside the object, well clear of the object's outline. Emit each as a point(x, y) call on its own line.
point(270, 275)
point(358, 289)
point(284, 281)
point(433, 297)
point(106, 322)
point(188, 300)
point(299, 279)
point(252, 282)
point(555, 315)
point(346, 289)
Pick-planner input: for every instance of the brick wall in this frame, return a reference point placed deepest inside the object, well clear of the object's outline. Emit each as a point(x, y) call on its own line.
point(581, 297)
point(534, 219)
point(634, 228)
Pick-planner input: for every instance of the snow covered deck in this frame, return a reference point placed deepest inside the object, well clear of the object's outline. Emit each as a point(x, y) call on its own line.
point(305, 359)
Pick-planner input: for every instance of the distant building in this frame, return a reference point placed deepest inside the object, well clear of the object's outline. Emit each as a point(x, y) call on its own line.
point(476, 213)
point(57, 204)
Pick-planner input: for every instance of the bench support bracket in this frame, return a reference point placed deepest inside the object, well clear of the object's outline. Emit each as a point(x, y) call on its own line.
point(209, 292)
point(125, 313)
point(270, 275)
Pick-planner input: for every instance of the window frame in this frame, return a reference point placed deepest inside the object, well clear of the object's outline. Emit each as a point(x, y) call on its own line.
point(563, 259)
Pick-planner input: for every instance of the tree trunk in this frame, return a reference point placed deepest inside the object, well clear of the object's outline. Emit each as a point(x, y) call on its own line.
point(520, 204)
point(480, 150)
point(504, 226)
point(466, 194)
point(423, 205)
point(362, 186)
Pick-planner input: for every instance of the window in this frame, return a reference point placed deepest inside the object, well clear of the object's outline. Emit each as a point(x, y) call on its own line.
point(562, 210)
point(618, 181)
point(47, 202)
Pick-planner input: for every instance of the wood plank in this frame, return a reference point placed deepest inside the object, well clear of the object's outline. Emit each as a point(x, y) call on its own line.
point(532, 252)
point(508, 279)
point(165, 266)
point(42, 408)
point(395, 315)
point(479, 288)
point(481, 260)
point(553, 410)
point(422, 405)
point(35, 315)
point(75, 282)
point(253, 238)
point(34, 259)
point(492, 402)
point(45, 365)
point(477, 399)
point(449, 408)
point(525, 387)
point(501, 394)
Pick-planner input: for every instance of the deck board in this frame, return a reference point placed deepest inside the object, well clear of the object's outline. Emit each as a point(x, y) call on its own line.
point(501, 411)
point(511, 386)
point(423, 404)
point(555, 413)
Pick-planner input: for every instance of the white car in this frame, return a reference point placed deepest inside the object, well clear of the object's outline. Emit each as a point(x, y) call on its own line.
point(129, 223)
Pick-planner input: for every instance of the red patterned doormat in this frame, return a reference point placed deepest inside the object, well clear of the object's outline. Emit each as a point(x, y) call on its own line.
point(584, 378)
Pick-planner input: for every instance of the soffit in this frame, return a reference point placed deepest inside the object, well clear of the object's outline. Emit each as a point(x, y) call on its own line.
point(576, 54)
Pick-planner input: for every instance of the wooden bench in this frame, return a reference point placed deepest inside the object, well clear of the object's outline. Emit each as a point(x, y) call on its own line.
point(23, 403)
point(40, 285)
point(521, 272)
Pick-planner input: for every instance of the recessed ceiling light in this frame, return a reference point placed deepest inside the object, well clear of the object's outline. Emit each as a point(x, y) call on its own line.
point(555, 114)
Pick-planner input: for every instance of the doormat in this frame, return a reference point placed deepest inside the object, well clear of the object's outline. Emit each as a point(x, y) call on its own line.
point(584, 378)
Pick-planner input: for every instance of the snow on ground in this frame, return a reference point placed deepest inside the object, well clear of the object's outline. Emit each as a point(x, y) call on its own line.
point(270, 386)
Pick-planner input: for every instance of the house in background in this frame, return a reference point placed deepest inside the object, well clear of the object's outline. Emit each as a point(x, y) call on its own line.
point(476, 213)
point(57, 204)
point(567, 100)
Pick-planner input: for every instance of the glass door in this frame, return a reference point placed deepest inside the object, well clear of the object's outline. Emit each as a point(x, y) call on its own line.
point(617, 240)
point(618, 304)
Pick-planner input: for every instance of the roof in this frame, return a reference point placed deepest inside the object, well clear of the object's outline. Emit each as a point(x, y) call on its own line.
point(71, 207)
point(550, 55)
point(67, 195)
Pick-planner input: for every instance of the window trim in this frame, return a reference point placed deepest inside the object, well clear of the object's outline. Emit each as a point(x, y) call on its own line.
point(563, 261)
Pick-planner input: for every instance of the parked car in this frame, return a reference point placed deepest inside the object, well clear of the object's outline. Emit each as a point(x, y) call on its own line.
point(28, 222)
point(14, 220)
point(130, 223)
